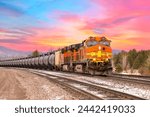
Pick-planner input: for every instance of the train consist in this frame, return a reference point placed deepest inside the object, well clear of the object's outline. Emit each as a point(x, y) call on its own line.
point(92, 56)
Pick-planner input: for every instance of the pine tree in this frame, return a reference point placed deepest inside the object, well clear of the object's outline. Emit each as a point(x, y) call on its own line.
point(35, 53)
point(132, 54)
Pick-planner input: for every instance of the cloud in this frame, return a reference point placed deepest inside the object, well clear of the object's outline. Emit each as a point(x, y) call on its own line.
point(15, 34)
point(13, 41)
point(123, 19)
point(10, 10)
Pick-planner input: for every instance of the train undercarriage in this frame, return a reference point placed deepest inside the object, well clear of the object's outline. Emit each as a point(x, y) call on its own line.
point(93, 68)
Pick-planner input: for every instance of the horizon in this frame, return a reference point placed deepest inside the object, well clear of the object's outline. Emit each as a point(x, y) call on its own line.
point(28, 53)
point(51, 24)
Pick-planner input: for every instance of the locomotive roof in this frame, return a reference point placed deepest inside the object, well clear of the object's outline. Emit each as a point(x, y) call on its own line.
point(98, 39)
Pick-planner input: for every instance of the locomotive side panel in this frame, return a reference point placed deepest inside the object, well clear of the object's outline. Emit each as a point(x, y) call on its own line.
point(62, 58)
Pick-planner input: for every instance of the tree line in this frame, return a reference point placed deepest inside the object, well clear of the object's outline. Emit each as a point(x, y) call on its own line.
point(133, 59)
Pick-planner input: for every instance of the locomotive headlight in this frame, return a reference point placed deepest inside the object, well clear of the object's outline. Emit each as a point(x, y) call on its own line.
point(94, 59)
point(99, 47)
point(106, 59)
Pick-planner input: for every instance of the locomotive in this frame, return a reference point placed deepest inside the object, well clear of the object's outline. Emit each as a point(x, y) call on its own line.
point(92, 56)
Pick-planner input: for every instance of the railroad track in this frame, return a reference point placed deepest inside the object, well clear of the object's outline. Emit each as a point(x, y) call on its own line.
point(139, 77)
point(63, 83)
point(132, 78)
point(92, 90)
point(145, 80)
point(129, 78)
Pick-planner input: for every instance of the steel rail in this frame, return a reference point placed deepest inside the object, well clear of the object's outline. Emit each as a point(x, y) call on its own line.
point(130, 78)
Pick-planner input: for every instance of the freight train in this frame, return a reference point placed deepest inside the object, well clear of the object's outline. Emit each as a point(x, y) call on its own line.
point(92, 56)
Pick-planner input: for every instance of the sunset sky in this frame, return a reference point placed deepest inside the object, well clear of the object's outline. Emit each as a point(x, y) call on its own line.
point(27, 25)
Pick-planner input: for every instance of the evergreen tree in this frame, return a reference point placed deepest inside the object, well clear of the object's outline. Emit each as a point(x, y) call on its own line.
point(132, 54)
point(35, 53)
point(136, 60)
point(117, 58)
point(140, 59)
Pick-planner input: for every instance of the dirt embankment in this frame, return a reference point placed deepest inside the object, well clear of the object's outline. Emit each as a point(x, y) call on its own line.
point(20, 84)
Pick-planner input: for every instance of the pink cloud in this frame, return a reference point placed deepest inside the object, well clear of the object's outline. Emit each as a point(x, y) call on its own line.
point(67, 16)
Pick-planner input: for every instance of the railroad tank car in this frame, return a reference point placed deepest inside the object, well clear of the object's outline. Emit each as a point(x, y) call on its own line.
point(18, 62)
point(32, 62)
point(0, 63)
point(3, 63)
point(41, 62)
point(6, 63)
point(23, 64)
point(28, 62)
point(11, 63)
point(92, 56)
point(52, 60)
point(14, 63)
point(46, 61)
point(36, 62)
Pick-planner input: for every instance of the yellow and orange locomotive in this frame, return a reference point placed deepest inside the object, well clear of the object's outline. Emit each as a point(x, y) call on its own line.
point(92, 56)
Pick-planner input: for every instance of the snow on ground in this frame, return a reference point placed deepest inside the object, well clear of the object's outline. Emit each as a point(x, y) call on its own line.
point(129, 72)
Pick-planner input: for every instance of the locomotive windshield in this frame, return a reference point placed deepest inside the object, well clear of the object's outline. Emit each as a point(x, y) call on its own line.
point(106, 43)
point(92, 43)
